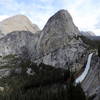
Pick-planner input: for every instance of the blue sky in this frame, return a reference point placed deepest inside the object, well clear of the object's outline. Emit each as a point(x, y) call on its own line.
point(85, 13)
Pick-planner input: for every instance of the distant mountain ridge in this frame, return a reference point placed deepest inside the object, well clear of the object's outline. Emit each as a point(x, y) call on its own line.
point(90, 35)
point(17, 23)
point(97, 38)
point(60, 43)
point(87, 33)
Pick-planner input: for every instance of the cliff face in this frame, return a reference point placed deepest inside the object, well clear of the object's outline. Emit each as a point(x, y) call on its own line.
point(17, 23)
point(91, 84)
point(58, 31)
point(18, 42)
point(60, 43)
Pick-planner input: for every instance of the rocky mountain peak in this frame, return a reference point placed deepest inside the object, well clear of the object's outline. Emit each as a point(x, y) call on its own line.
point(57, 44)
point(62, 14)
point(60, 42)
point(58, 31)
point(17, 23)
point(61, 22)
point(87, 33)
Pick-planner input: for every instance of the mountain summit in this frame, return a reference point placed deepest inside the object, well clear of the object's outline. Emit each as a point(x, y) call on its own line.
point(58, 31)
point(17, 23)
point(61, 22)
point(60, 42)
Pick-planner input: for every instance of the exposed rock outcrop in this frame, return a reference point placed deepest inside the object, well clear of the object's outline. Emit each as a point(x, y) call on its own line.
point(18, 42)
point(60, 43)
point(1, 35)
point(91, 84)
point(17, 23)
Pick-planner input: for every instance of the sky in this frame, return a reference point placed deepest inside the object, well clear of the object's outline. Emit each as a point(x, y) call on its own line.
point(85, 13)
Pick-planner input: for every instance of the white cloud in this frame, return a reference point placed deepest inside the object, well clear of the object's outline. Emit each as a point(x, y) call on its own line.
point(49, 1)
point(2, 17)
point(84, 14)
point(97, 32)
point(5, 1)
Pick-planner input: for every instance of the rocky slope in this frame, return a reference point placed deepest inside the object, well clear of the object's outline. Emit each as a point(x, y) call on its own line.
point(18, 42)
point(91, 84)
point(60, 43)
point(59, 27)
point(17, 23)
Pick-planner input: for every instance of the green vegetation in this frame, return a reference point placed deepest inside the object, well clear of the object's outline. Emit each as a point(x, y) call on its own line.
point(47, 83)
point(92, 44)
point(10, 56)
point(9, 61)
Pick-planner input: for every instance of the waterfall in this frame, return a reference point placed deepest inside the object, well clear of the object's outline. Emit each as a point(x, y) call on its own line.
point(84, 74)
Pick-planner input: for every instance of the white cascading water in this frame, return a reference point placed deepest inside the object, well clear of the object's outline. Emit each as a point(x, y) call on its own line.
point(84, 74)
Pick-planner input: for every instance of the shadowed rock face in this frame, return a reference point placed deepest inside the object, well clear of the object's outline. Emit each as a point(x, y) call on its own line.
point(60, 22)
point(17, 23)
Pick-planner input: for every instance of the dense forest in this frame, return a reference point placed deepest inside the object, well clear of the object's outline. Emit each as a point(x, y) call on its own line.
point(46, 83)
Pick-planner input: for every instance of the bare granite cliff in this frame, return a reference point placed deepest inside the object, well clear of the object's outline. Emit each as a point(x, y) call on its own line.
point(17, 23)
point(60, 43)
point(18, 42)
point(91, 84)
